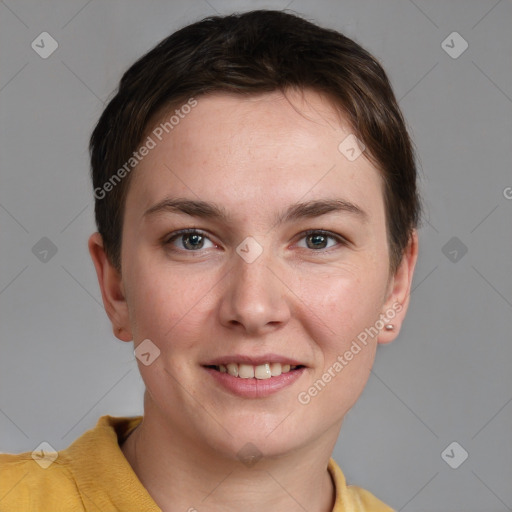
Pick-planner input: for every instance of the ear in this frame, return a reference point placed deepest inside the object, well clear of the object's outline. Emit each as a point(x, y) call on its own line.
point(112, 289)
point(399, 291)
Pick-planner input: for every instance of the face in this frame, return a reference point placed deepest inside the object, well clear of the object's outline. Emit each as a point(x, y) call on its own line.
point(287, 263)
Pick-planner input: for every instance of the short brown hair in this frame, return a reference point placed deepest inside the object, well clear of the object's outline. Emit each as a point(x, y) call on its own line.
point(251, 53)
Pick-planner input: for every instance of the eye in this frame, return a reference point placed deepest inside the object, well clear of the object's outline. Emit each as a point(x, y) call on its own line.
point(190, 239)
point(317, 239)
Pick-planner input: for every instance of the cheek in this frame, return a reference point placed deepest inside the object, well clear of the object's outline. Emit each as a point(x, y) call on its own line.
point(346, 301)
point(165, 301)
point(341, 317)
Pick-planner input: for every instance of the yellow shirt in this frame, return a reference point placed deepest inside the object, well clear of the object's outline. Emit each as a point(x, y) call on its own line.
point(93, 474)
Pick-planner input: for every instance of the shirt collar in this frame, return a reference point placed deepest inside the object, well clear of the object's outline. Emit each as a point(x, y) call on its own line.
point(105, 478)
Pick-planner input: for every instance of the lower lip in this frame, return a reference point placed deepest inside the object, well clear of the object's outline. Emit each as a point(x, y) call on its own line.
point(255, 388)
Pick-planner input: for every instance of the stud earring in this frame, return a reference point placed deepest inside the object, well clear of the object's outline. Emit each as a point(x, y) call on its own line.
point(389, 327)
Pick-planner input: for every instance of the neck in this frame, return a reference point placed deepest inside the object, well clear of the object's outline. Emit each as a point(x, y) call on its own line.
point(182, 474)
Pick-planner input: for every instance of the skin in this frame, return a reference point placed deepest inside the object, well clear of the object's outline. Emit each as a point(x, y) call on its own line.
point(253, 157)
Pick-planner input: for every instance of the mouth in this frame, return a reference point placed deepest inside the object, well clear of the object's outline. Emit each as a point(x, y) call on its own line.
point(254, 376)
point(261, 371)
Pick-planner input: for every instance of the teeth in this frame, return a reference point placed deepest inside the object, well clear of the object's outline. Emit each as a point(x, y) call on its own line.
point(246, 371)
point(232, 369)
point(261, 372)
point(276, 369)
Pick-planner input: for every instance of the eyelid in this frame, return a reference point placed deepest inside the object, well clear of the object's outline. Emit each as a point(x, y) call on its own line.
point(329, 234)
point(168, 239)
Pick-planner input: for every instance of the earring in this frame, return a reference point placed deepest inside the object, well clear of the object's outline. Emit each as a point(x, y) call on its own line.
point(389, 327)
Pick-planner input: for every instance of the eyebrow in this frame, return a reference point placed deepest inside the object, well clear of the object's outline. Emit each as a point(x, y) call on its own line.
point(296, 211)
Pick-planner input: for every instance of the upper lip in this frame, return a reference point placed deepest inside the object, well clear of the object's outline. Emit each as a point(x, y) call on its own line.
point(253, 360)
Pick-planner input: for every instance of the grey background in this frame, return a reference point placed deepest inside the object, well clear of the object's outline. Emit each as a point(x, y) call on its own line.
point(446, 378)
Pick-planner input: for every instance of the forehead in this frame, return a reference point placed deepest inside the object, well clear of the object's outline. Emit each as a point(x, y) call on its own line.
point(238, 151)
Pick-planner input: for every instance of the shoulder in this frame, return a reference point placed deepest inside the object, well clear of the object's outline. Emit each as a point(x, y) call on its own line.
point(351, 497)
point(365, 501)
point(39, 483)
point(69, 480)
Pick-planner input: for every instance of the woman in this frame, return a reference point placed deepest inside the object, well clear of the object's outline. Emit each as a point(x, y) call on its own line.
point(257, 208)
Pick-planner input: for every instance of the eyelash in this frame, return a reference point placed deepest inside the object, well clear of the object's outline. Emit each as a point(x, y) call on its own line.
point(192, 231)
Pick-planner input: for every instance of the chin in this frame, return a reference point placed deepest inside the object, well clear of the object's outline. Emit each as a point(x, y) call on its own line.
point(248, 439)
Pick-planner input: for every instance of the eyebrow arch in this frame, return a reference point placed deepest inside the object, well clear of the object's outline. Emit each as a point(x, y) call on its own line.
point(296, 211)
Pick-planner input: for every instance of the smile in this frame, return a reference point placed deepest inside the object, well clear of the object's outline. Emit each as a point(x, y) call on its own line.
point(249, 371)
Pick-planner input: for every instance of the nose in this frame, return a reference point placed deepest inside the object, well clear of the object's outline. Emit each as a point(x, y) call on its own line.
point(255, 300)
